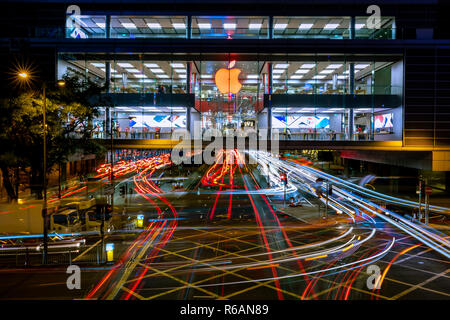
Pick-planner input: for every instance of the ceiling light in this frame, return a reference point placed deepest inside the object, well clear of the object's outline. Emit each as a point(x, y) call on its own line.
point(141, 76)
point(252, 76)
point(342, 77)
point(179, 25)
point(326, 71)
point(331, 26)
point(296, 76)
point(129, 25)
point(165, 76)
point(154, 25)
point(334, 66)
point(177, 65)
point(303, 71)
point(255, 26)
point(282, 65)
point(133, 70)
point(180, 70)
point(278, 71)
point(308, 65)
point(280, 26)
point(229, 25)
point(204, 25)
point(101, 25)
point(319, 77)
point(157, 70)
point(98, 64)
point(305, 26)
point(125, 65)
point(151, 65)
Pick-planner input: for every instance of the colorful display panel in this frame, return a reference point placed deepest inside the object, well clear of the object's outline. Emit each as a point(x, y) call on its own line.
point(383, 121)
point(158, 121)
point(300, 122)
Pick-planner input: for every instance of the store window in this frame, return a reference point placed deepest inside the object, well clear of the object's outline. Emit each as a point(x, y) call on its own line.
point(311, 27)
point(129, 27)
point(228, 27)
point(86, 27)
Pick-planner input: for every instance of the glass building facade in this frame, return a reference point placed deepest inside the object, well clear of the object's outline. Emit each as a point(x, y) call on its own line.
point(330, 96)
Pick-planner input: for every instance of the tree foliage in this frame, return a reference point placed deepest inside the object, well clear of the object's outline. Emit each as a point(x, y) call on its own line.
point(69, 114)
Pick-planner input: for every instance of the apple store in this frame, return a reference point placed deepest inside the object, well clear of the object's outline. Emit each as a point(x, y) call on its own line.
point(300, 97)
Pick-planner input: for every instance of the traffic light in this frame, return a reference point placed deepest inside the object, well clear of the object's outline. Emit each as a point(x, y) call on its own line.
point(283, 179)
point(122, 190)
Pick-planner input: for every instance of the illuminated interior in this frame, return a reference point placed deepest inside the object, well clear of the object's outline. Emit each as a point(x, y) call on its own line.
point(302, 98)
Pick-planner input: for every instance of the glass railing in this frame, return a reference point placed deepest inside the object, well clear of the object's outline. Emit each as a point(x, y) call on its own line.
point(283, 134)
point(150, 89)
point(122, 33)
point(312, 33)
point(329, 135)
point(376, 34)
point(220, 33)
point(152, 133)
point(317, 88)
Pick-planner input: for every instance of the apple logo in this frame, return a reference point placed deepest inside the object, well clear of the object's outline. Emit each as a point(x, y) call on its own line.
point(227, 79)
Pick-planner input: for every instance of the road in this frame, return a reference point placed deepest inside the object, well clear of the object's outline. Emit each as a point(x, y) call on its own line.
point(225, 234)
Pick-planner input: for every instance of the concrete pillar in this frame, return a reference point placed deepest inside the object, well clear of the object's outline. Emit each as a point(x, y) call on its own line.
point(270, 28)
point(352, 28)
point(269, 106)
point(352, 91)
point(107, 122)
point(188, 119)
point(108, 27)
point(108, 76)
point(188, 27)
point(188, 77)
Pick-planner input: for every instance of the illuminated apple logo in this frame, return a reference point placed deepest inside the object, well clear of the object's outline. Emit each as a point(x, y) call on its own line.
point(227, 79)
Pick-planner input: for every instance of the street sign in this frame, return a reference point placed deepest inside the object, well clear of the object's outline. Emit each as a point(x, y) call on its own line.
point(428, 191)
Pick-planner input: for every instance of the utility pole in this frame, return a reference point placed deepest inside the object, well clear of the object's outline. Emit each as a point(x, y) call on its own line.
point(428, 191)
point(44, 207)
point(283, 178)
point(59, 180)
point(326, 206)
point(420, 198)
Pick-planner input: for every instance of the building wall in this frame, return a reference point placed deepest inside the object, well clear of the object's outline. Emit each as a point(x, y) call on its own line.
point(427, 98)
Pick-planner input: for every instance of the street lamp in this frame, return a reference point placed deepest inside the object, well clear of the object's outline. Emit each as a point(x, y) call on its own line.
point(60, 83)
point(23, 75)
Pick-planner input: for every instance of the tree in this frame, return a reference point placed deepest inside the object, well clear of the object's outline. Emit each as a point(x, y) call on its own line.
point(69, 112)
